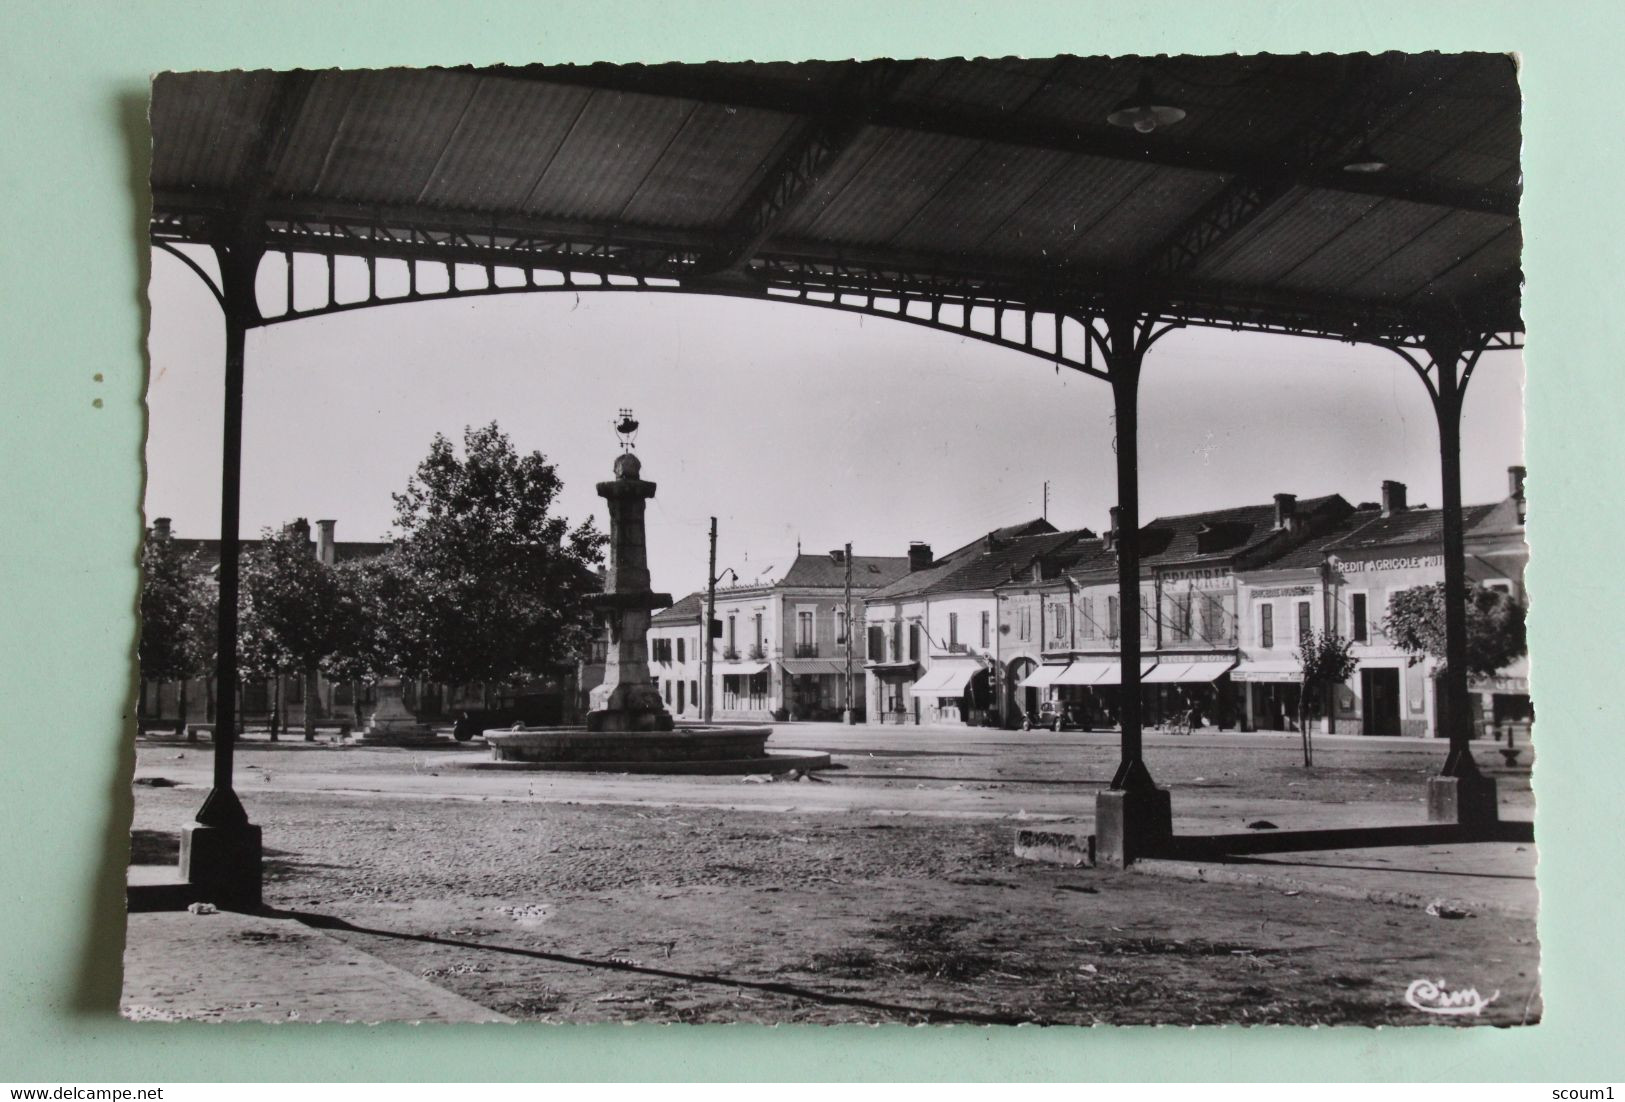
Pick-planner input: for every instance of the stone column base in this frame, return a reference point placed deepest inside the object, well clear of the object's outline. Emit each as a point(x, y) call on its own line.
point(1469, 801)
point(1131, 824)
point(224, 862)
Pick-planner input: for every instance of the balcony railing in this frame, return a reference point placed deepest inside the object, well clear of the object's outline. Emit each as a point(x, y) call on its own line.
point(730, 654)
point(806, 650)
point(758, 653)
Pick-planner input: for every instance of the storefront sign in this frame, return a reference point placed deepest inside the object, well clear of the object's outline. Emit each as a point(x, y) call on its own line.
point(1201, 577)
point(1410, 562)
point(1284, 591)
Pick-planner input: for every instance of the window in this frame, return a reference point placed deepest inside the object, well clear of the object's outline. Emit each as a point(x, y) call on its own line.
point(1058, 628)
point(1113, 618)
point(953, 630)
point(804, 629)
point(681, 642)
point(840, 626)
point(1182, 617)
point(877, 644)
point(914, 642)
point(1305, 625)
point(1266, 625)
point(668, 692)
point(733, 650)
point(1025, 622)
point(1212, 619)
point(1357, 619)
point(757, 624)
point(681, 696)
point(987, 630)
point(897, 640)
point(694, 692)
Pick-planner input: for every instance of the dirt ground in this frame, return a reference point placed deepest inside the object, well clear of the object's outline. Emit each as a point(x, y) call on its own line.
point(646, 909)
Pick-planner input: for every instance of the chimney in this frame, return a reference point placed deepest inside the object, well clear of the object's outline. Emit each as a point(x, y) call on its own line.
point(160, 528)
point(919, 556)
point(1109, 540)
point(838, 555)
point(298, 528)
point(1393, 497)
point(1515, 477)
point(1286, 511)
point(326, 550)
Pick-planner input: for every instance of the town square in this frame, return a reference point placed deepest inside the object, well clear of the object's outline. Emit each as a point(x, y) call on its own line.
point(1102, 601)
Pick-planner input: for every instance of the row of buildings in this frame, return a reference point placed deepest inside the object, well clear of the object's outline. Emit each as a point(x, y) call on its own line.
point(989, 631)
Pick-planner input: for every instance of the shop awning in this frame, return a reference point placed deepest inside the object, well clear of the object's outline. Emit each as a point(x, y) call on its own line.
point(1277, 670)
point(804, 666)
point(1099, 671)
point(740, 669)
point(1169, 673)
point(946, 678)
point(1044, 676)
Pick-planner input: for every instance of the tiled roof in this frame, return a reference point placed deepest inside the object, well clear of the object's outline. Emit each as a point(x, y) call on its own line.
point(1006, 559)
point(1309, 555)
point(918, 581)
point(1231, 531)
point(685, 611)
point(1407, 527)
point(868, 571)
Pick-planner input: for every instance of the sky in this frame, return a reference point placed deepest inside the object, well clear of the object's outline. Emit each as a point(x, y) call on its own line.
point(790, 424)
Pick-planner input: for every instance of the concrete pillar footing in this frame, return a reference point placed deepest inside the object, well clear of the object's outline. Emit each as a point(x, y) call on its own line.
point(1469, 800)
point(224, 863)
point(1132, 823)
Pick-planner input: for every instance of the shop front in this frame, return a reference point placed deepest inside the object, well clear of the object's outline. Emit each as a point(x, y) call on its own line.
point(1267, 693)
point(953, 690)
point(815, 687)
point(1192, 685)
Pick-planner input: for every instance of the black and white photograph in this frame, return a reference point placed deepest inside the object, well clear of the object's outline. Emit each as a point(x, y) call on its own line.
point(956, 540)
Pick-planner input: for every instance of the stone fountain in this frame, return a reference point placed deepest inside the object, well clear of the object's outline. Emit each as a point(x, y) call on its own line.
point(628, 728)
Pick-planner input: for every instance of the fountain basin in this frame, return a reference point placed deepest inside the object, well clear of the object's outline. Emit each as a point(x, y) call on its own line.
point(720, 750)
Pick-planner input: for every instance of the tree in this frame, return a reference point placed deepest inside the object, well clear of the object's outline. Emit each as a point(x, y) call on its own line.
point(175, 609)
point(292, 614)
point(486, 583)
point(1328, 660)
point(1496, 635)
point(1496, 632)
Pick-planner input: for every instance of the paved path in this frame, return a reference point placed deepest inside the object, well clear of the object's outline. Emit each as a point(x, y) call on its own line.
point(237, 967)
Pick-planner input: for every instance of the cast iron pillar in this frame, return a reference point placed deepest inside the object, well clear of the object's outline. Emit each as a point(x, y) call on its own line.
point(1133, 818)
point(1460, 793)
point(220, 850)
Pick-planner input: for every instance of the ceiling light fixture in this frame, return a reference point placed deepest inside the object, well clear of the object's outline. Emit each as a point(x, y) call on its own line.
point(1142, 112)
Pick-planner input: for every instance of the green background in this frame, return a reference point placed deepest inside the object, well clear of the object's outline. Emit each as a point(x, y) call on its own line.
point(72, 176)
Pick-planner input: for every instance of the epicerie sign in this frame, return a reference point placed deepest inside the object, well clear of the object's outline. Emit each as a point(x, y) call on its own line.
point(1411, 562)
point(1200, 577)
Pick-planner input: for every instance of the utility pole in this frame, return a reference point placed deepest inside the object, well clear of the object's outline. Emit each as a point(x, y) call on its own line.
point(848, 622)
point(710, 614)
point(1046, 499)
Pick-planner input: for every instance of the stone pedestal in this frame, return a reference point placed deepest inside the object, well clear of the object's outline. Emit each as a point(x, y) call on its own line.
point(1131, 823)
point(391, 723)
point(1469, 801)
point(223, 863)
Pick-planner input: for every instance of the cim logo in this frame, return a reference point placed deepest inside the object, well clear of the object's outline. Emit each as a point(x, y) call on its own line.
point(1433, 997)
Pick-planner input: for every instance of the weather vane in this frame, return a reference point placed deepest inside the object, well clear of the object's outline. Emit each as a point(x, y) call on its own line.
point(626, 427)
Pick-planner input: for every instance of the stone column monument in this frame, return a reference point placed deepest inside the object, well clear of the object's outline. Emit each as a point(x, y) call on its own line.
point(627, 700)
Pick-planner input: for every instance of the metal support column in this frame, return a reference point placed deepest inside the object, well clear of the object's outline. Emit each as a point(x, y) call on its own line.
point(1134, 817)
point(1460, 793)
point(220, 851)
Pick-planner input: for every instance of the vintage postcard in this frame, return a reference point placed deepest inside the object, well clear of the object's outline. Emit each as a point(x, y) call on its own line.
point(962, 540)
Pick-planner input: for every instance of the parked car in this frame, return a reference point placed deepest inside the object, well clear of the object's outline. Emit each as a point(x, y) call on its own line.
point(1052, 714)
point(531, 709)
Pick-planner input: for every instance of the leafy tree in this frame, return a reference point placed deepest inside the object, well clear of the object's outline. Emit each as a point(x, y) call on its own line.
point(176, 608)
point(292, 614)
point(486, 583)
point(1496, 635)
point(1328, 660)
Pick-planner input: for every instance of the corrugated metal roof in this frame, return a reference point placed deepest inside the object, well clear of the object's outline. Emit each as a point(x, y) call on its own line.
point(1003, 166)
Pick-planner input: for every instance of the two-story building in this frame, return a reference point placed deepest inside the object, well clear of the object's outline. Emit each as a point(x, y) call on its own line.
point(935, 632)
point(1064, 633)
point(677, 657)
point(781, 651)
point(1343, 582)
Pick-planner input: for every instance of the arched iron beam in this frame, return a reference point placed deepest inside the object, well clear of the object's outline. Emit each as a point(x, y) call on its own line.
point(208, 281)
point(829, 300)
